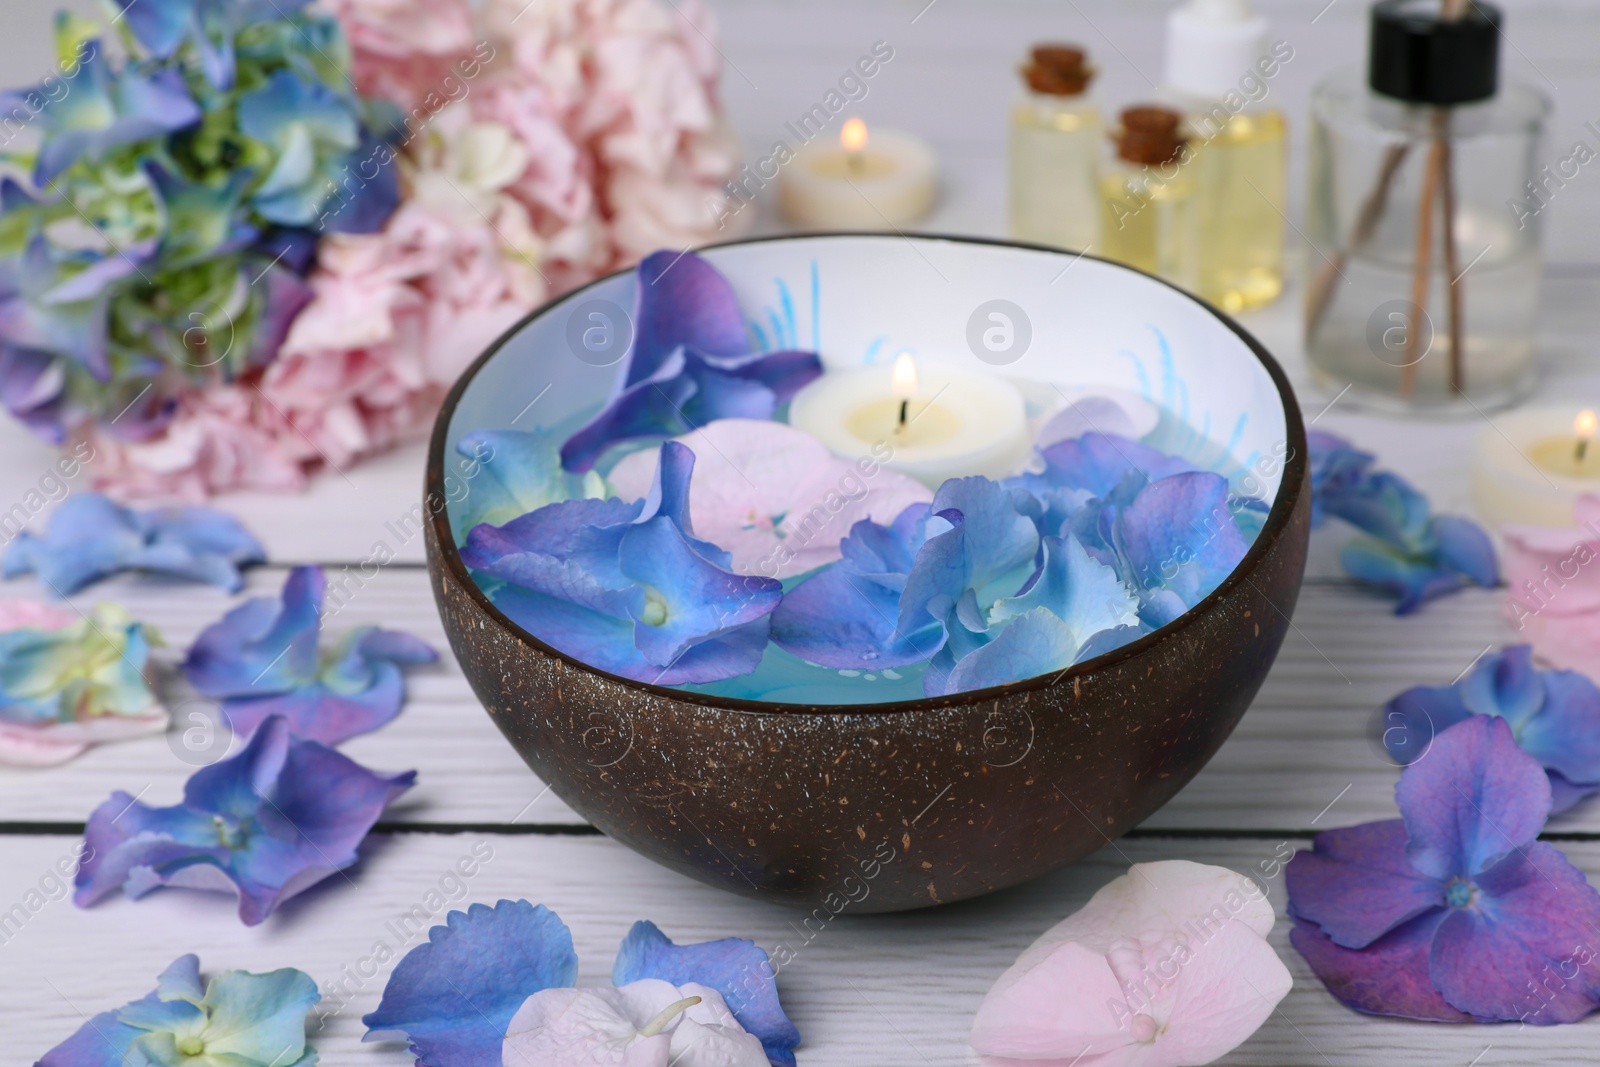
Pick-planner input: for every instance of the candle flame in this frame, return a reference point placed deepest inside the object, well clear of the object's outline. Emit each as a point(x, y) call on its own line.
point(1586, 424)
point(853, 136)
point(903, 378)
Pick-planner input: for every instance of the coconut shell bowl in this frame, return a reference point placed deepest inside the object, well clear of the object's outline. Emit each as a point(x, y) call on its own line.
point(918, 802)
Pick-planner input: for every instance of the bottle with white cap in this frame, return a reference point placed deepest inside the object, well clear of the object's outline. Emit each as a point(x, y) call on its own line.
point(1220, 71)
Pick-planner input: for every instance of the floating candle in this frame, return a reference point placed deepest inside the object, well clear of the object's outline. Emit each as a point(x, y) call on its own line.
point(933, 421)
point(1532, 466)
point(877, 181)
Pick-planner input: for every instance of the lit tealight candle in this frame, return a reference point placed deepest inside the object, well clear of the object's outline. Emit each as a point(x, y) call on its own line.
point(934, 422)
point(1532, 466)
point(879, 181)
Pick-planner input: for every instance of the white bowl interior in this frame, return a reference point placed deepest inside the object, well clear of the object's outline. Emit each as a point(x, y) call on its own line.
point(862, 299)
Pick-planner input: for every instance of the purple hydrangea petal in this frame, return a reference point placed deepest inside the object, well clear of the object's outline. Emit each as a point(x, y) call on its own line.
point(683, 301)
point(586, 532)
point(270, 822)
point(1517, 951)
point(1385, 506)
point(1474, 799)
point(454, 996)
point(843, 619)
point(159, 25)
point(1357, 883)
point(1414, 718)
point(1336, 467)
point(1388, 977)
point(734, 967)
point(32, 387)
point(783, 373)
point(1565, 794)
point(267, 645)
point(102, 1041)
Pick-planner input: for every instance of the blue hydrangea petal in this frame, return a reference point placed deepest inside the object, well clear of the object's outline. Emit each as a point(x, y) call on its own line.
point(1033, 643)
point(89, 537)
point(1565, 736)
point(1385, 506)
point(1084, 594)
point(1474, 799)
point(181, 980)
point(669, 498)
point(1411, 580)
point(1414, 718)
point(317, 713)
point(159, 25)
point(1099, 462)
point(267, 645)
point(880, 551)
point(32, 387)
point(366, 208)
point(507, 473)
point(734, 967)
point(1463, 546)
point(988, 543)
point(683, 301)
point(782, 373)
point(101, 1041)
point(454, 996)
point(698, 598)
point(1178, 535)
point(100, 111)
point(1336, 467)
point(1504, 683)
point(1495, 959)
point(1565, 794)
point(1357, 883)
point(587, 532)
point(124, 836)
point(1388, 977)
point(848, 621)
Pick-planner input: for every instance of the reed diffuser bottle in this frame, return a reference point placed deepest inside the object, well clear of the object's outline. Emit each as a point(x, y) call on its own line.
point(1055, 150)
point(1424, 216)
point(1219, 74)
point(1147, 213)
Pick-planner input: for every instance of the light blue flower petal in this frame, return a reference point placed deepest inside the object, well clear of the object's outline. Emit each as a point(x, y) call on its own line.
point(181, 980)
point(454, 996)
point(989, 543)
point(1087, 596)
point(503, 474)
point(260, 1018)
point(734, 967)
point(1411, 580)
point(1033, 643)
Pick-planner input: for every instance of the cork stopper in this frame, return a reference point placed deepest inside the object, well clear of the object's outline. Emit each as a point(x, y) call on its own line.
point(1149, 135)
point(1058, 70)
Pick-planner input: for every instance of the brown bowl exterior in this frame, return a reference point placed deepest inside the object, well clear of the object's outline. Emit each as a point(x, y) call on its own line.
point(894, 806)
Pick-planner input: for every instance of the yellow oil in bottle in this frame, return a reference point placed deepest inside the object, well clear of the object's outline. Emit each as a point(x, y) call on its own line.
point(1238, 175)
point(1148, 223)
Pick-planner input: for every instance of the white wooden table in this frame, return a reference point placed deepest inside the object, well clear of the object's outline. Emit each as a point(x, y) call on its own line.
point(867, 991)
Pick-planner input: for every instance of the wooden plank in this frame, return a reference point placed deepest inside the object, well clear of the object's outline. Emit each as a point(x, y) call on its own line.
point(882, 990)
point(1306, 739)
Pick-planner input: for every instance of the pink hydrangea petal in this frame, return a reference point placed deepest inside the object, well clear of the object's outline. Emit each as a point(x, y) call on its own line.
point(774, 496)
point(17, 614)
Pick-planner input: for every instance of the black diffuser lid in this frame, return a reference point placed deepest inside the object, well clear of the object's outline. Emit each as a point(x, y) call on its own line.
point(1418, 57)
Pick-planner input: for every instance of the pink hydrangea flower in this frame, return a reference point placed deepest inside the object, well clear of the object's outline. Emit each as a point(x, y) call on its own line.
point(1166, 966)
point(1554, 578)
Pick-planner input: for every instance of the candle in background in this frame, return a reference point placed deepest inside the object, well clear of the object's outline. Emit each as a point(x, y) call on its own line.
point(1531, 467)
point(869, 180)
point(931, 420)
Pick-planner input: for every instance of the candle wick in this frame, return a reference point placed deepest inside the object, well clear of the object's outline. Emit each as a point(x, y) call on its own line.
point(853, 161)
point(1583, 447)
point(904, 407)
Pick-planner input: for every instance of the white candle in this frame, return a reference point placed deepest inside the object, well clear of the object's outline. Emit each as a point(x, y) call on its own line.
point(877, 181)
point(956, 422)
point(1531, 467)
